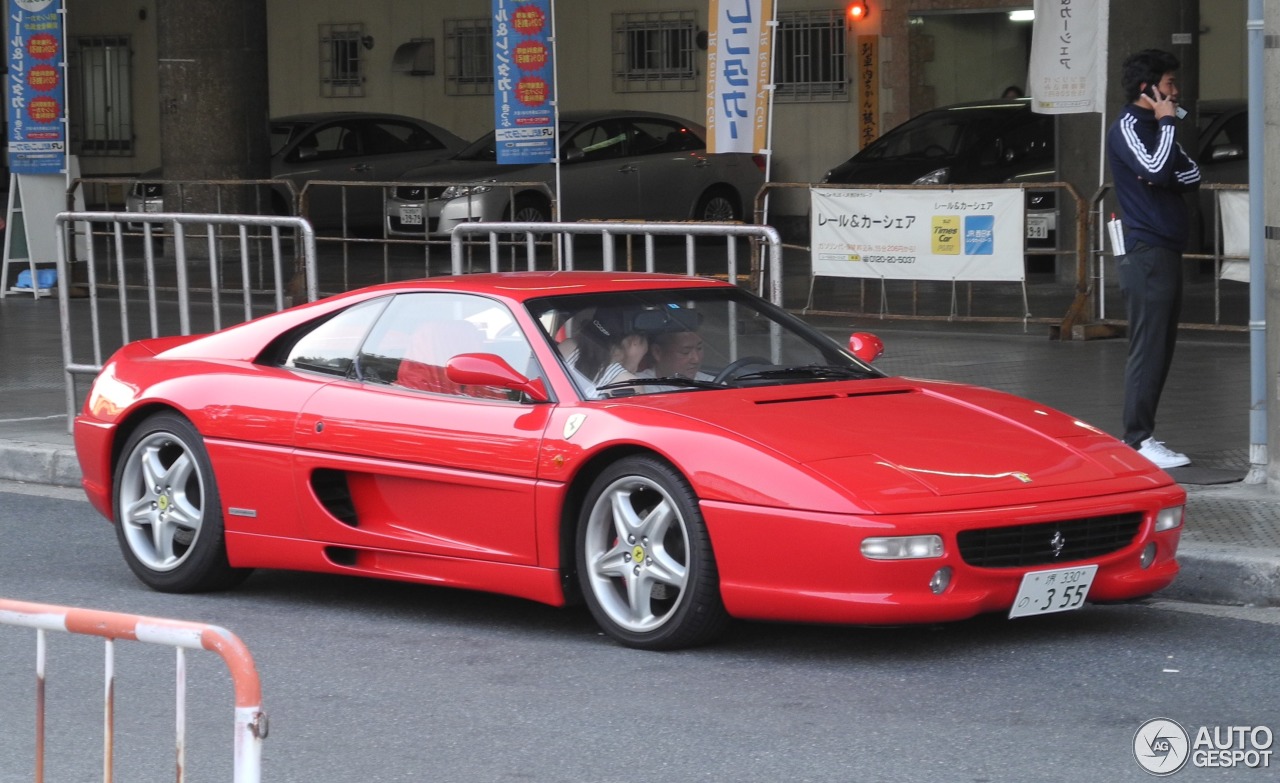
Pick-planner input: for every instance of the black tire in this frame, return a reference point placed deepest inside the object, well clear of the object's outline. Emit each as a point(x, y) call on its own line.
point(718, 205)
point(649, 575)
point(168, 512)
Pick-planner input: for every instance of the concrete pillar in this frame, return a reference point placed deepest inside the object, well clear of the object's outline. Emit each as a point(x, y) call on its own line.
point(1134, 25)
point(213, 93)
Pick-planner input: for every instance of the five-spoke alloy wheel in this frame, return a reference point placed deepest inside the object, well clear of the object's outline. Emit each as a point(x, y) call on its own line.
point(645, 562)
point(168, 513)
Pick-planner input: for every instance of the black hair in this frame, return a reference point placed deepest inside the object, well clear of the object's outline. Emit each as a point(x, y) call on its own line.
point(1143, 70)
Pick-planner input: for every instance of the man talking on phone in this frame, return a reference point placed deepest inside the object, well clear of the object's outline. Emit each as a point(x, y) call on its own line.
point(1150, 173)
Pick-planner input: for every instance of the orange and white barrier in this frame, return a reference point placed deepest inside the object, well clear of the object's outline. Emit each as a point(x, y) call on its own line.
point(250, 720)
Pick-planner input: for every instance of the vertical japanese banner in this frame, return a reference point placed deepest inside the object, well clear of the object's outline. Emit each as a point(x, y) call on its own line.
point(37, 95)
point(869, 98)
point(524, 113)
point(1068, 73)
point(738, 55)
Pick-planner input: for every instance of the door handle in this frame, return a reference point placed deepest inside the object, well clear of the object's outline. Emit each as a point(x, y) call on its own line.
point(627, 169)
point(362, 167)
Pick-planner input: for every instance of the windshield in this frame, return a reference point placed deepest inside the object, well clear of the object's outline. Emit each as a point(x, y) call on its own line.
point(935, 134)
point(484, 148)
point(671, 341)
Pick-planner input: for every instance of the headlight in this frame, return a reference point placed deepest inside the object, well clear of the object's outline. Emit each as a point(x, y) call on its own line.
point(460, 191)
point(936, 177)
point(1168, 518)
point(902, 547)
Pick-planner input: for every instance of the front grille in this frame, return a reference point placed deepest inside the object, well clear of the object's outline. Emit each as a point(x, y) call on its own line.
point(1046, 543)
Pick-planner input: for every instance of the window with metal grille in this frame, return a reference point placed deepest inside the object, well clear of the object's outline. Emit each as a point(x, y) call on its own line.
point(468, 56)
point(100, 70)
point(341, 65)
point(809, 57)
point(654, 52)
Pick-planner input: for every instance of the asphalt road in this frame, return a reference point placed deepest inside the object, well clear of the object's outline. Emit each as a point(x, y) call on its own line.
point(372, 681)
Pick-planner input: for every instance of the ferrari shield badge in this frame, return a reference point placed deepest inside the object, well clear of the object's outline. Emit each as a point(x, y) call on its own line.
point(572, 424)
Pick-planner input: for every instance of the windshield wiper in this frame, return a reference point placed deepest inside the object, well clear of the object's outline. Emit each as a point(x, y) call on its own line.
point(808, 371)
point(669, 380)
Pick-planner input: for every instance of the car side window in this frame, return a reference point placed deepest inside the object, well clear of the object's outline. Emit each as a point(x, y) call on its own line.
point(328, 143)
point(418, 334)
point(599, 141)
point(330, 346)
point(387, 137)
point(658, 137)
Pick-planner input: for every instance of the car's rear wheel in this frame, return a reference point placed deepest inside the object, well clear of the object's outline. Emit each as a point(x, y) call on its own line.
point(718, 205)
point(167, 509)
point(644, 558)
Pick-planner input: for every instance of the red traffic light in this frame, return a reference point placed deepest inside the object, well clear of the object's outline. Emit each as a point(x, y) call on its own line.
point(857, 11)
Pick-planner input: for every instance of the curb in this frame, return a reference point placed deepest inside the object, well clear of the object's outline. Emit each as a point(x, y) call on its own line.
point(1223, 574)
point(35, 463)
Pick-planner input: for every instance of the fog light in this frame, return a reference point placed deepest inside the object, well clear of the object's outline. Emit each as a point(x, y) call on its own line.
point(941, 578)
point(1168, 518)
point(902, 547)
point(1148, 555)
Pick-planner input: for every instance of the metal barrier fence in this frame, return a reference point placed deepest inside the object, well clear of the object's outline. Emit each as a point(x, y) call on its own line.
point(250, 719)
point(145, 275)
point(1089, 312)
point(391, 229)
point(566, 255)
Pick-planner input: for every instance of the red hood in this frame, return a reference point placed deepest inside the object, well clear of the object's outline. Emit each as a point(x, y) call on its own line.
point(896, 440)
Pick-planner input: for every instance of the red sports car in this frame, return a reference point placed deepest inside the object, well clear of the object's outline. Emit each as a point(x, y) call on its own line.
point(673, 451)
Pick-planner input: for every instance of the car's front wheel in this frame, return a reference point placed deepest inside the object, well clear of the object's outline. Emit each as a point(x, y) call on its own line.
point(167, 510)
point(644, 558)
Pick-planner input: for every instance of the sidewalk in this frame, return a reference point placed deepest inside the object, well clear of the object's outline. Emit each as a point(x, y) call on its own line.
point(1230, 551)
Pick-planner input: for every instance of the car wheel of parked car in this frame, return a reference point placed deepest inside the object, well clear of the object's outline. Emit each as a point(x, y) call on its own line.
point(644, 558)
point(167, 509)
point(529, 209)
point(718, 205)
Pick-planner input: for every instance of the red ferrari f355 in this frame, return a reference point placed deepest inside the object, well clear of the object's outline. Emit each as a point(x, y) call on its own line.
point(672, 451)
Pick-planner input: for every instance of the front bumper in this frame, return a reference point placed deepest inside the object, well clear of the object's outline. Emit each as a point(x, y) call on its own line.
point(800, 566)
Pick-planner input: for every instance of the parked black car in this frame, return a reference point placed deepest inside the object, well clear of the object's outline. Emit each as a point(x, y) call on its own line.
point(979, 142)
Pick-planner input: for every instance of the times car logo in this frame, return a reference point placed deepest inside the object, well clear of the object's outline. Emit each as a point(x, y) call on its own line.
point(1160, 746)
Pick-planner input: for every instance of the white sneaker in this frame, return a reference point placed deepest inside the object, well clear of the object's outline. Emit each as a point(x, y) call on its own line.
point(1163, 456)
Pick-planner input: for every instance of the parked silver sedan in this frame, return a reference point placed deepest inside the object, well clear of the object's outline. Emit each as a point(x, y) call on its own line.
point(333, 146)
point(615, 165)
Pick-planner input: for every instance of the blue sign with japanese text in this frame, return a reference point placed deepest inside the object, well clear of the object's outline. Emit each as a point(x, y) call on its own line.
point(524, 112)
point(37, 132)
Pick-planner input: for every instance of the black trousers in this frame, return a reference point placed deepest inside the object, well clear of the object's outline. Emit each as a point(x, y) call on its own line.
point(1151, 282)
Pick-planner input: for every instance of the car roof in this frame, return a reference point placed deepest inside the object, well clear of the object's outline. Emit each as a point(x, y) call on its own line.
point(589, 115)
point(327, 116)
point(523, 286)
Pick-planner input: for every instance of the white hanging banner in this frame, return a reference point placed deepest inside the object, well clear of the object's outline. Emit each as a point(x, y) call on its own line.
point(738, 52)
point(1068, 73)
point(918, 234)
point(1234, 206)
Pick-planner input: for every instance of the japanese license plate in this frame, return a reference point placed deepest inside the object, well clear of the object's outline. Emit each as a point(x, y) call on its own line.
point(411, 216)
point(1059, 590)
point(153, 206)
point(1037, 227)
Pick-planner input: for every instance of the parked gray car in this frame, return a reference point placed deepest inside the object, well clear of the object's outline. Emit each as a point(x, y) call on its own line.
point(615, 165)
point(334, 146)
